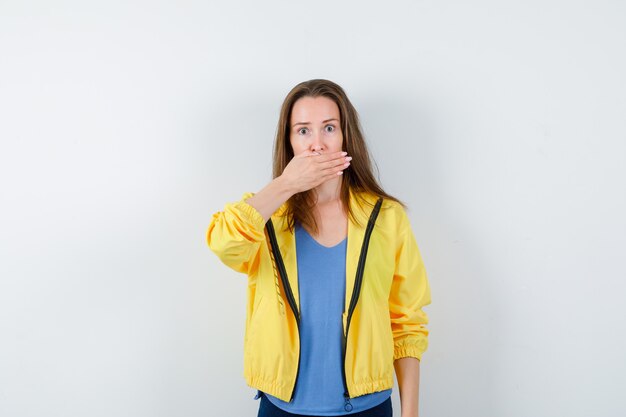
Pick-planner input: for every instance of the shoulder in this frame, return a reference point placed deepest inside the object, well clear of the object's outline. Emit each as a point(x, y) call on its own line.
point(395, 215)
point(391, 213)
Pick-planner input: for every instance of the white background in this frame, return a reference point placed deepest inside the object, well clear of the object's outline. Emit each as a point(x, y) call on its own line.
point(125, 125)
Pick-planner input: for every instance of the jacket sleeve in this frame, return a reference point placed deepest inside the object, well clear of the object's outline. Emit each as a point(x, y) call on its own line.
point(410, 292)
point(236, 233)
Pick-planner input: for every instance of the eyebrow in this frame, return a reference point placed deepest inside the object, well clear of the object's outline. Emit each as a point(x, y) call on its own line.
point(306, 123)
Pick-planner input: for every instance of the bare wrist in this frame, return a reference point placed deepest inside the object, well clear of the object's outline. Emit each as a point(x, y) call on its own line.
point(284, 186)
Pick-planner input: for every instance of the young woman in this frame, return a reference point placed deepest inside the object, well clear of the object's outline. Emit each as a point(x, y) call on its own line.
point(336, 282)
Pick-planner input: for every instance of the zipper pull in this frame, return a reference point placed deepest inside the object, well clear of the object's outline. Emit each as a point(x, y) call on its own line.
point(347, 405)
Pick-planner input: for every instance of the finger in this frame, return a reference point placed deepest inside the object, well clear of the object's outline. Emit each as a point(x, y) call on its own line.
point(335, 174)
point(341, 162)
point(307, 153)
point(331, 156)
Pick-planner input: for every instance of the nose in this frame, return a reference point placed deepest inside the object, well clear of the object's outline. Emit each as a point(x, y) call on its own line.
point(316, 143)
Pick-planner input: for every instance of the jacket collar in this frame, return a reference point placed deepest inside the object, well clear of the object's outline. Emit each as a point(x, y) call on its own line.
point(356, 233)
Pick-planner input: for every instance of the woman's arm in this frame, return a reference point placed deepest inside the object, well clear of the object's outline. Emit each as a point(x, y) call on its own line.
point(270, 198)
point(408, 375)
point(410, 292)
point(305, 171)
point(236, 233)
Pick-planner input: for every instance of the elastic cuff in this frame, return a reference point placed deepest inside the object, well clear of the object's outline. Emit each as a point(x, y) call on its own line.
point(406, 352)
point(252, 214)
point(413, 348)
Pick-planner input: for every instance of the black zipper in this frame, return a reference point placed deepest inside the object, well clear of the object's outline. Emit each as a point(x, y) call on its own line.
point(290, 298)
point(355, 297)
point(355, 293)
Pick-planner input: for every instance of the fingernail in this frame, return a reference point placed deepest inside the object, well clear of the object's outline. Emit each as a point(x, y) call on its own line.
point(344, 153)
point(349, 158)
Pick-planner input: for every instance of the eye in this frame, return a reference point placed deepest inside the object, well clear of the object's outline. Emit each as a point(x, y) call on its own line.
point(302, 129)
point(332, 128)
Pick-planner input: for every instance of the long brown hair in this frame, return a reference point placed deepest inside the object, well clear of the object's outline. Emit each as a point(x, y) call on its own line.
point(358, 177)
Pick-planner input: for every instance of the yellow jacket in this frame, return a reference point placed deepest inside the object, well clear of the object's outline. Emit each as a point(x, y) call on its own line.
point(386, 320)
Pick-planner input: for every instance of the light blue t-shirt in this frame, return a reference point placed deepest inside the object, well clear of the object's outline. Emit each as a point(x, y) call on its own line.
point(321, 283)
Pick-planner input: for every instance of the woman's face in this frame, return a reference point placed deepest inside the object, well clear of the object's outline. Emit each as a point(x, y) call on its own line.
point(315, 126)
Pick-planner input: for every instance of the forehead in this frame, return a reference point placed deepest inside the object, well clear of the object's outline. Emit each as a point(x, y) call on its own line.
point(314, 110)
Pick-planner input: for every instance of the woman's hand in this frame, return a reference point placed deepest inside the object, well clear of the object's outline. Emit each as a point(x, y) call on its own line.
point(309, 169)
